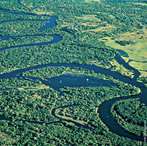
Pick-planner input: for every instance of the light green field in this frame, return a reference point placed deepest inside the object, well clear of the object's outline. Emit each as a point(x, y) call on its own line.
point(142, 4)
point(121, 69)
point(140, 66)
point(136, 52)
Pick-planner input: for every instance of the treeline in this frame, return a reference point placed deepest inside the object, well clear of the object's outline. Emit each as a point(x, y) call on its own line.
point(82, 46)
point(61, 52)
point(12, 17)
point(131, 115)
point(17, 82)
point(124, 43)
point(46, 72)
point(28, 114)
point(15, 28)
point(15, 41)
point(143, 79)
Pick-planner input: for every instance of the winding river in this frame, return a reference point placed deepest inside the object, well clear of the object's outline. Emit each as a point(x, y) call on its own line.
point(104, 108)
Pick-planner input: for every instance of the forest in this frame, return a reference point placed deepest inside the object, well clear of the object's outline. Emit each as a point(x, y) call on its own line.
point(42, 41)
point(131, 114)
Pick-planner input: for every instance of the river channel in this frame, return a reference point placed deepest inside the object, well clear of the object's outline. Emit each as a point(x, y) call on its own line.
point(104, 109)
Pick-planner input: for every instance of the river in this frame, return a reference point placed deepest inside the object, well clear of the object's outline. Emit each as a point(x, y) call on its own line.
point(104, 109)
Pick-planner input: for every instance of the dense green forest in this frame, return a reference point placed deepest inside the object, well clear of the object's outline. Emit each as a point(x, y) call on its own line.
point(74, 24)
point(86, 33)
point(24, 40)
point(29, 106)
point(131, 114)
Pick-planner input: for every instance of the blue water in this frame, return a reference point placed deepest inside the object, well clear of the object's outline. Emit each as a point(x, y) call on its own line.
point(78, 81)
point(74, 81)
point(56, 38)
point(123, 53)
point(50, 22)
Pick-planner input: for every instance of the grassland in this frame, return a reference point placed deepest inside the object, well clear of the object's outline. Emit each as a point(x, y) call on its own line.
point(142, 4)
point(137, 52)
point(87, 31)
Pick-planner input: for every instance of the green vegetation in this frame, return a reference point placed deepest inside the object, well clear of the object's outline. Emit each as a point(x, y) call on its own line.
point(96, 21)
point(37, 106)
point(24, 41)
point(11, 17)
point(48, 72)
point(121, 69)
point(124, 43)
point(136, 52)
point(15, 28)
point(143, 79)
point(15, 83)
point(59, 113)
point(32, 113)
point(131, 115)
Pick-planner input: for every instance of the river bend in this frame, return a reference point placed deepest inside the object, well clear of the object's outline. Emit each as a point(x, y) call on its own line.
point(104, 108)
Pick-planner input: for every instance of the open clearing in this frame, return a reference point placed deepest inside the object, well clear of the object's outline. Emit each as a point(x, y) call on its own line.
point(136, 52)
